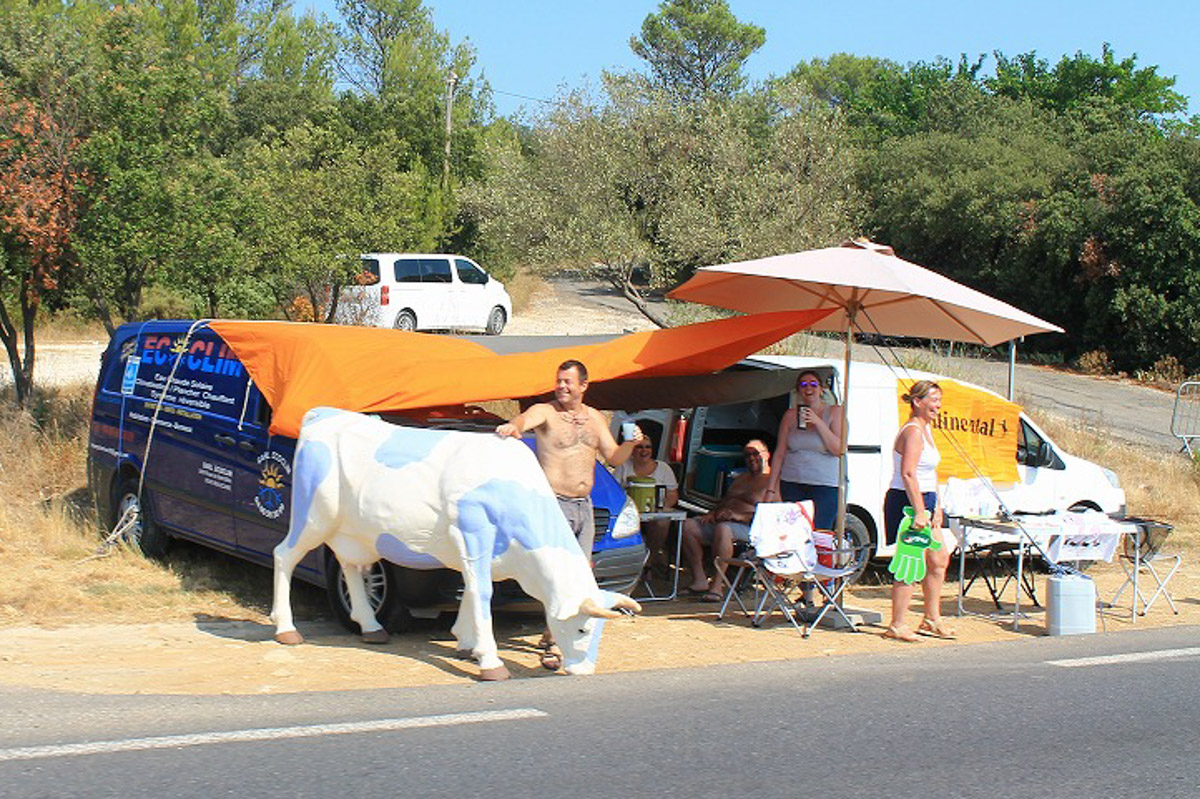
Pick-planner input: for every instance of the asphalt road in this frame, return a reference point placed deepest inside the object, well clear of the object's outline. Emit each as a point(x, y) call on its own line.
point(1025, 718)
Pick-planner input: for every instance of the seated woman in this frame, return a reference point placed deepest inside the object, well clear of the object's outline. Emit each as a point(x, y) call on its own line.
point(643, 464)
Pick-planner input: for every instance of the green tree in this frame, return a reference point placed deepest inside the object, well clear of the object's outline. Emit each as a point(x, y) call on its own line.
point(1074, 79)
point(607, 188)
point(697, 48)
point(319, 201)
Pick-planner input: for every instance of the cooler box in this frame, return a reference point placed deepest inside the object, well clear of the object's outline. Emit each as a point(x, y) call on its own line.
point(713, 463)
point(1070, 604)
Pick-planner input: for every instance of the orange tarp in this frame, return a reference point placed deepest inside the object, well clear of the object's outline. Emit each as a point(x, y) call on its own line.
point(975, 428)
point(300, 366)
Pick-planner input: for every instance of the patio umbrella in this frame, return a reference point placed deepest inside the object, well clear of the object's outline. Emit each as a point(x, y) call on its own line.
point(873, 291)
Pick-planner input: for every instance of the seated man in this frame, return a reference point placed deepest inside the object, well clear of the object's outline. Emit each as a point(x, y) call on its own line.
point(729, 521)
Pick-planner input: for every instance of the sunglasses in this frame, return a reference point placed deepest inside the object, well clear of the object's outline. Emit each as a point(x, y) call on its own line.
point(808, 384)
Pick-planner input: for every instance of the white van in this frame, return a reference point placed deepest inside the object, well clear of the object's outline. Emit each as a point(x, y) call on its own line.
point(704, 442)
point(419, 291)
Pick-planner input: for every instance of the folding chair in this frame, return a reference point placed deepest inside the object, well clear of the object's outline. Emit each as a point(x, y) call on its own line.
point(1143, 551)
point(784, 557)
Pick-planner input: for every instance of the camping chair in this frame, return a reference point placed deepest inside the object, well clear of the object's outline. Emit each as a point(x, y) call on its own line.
point(1142, 551)
point(784, 557)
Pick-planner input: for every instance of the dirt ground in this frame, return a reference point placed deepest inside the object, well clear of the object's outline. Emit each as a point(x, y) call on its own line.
point(238, 656)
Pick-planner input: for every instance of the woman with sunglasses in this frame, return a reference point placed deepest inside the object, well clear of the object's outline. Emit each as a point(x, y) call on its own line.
point(805, 464)
point(643, 464)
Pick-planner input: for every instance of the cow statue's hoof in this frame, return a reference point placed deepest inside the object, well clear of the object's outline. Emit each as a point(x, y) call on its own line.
point(290, 638)
point(494, 675)
point(379, 636)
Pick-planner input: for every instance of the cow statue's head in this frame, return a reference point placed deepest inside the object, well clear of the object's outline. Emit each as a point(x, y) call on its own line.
point(578, 636)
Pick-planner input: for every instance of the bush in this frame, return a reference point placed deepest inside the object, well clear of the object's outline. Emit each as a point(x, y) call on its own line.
point(1166, 369)
point(1095, 362)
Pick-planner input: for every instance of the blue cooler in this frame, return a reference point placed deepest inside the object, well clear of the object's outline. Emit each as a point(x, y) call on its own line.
point(1070, 604)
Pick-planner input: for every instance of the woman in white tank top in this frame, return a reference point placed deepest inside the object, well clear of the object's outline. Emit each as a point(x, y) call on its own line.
point(914, 483)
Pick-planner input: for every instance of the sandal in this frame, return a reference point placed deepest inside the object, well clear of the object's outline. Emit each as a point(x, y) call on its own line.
point(901, 634)
point(937, 629)
point(550, 658)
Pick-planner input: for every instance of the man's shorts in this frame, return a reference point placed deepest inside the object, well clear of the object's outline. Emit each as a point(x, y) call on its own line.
point(708, 531)
point(581, 520)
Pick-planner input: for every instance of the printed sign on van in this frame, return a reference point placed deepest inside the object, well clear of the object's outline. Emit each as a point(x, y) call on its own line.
point(273, 469)
point(975, 428)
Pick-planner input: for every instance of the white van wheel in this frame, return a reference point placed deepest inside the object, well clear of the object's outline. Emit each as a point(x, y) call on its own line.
point(405, 321)
point(858, 537)
point(495, 322)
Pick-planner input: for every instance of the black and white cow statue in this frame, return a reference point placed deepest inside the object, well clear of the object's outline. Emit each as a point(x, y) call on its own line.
point(473, 502)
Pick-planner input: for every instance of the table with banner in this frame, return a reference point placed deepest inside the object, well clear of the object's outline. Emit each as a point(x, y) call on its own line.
point(1062, 537)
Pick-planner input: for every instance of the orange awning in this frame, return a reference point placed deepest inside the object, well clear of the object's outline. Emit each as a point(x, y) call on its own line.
point(300, 366)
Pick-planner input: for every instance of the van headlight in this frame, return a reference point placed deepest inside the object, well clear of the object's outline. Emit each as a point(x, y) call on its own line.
point(1112, 478)
point(628, 521)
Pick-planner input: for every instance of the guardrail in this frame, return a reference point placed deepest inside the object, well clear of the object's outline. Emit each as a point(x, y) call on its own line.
point(1185, 419)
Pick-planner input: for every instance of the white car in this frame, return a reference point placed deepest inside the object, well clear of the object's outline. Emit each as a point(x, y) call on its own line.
point(419, 291)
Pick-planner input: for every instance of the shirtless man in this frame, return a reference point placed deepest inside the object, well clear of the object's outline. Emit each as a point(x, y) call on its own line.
point(727, 522)
point(569, 434)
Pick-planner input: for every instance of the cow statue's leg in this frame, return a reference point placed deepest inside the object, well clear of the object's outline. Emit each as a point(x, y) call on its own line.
point(311, 523)
point(360, 605)
point(286, 558)
point(473, 627)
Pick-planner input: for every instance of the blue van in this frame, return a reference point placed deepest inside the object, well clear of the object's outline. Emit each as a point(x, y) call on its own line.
point(201, 465)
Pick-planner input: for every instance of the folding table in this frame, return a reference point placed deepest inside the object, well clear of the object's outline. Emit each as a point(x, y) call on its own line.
point(676, 517)
point(1028, 532)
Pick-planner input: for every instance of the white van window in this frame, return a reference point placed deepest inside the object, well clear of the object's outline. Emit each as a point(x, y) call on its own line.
point(407, 270)
point(1028, 443)
point(469, 273)
point(369, 275)
point(435, 270)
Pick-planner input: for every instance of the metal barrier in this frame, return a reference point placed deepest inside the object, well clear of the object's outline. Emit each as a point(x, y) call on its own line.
point(1185, 419)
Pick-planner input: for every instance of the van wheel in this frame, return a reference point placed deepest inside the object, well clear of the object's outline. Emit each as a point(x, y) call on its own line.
point(151, 539)
point(382, 592)
point(858, 537)
point(495, 322)
point(405, 321)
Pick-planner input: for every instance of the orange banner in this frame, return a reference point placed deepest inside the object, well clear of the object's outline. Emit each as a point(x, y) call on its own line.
point(976, 432)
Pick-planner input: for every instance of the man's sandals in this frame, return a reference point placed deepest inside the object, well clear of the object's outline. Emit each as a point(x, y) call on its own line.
point(551, 658)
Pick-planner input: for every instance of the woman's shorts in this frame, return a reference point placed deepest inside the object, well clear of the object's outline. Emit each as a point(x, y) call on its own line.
point(893, 509)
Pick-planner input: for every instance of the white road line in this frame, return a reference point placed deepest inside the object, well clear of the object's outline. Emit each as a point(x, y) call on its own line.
point(1132, 657)
point(266, 734)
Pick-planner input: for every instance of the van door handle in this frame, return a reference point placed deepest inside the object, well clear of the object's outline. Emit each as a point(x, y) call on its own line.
point(246, 446)
point(225, 440)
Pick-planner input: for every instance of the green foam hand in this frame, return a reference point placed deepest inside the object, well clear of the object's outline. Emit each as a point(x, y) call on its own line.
point(908, 561)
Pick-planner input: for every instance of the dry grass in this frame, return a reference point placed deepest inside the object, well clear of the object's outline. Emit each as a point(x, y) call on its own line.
point(1163, 486)
point(48, 530)
point(521, 288)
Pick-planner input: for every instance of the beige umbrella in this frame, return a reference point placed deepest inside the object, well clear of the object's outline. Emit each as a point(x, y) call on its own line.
point(875, 292)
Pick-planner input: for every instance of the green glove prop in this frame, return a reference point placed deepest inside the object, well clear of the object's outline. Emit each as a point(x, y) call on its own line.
point(908, 562)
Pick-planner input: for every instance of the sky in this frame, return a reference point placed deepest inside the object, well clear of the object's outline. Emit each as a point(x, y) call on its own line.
point(530, 49)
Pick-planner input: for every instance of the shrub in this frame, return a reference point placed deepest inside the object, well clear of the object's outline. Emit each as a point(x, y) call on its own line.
point(1095, 362)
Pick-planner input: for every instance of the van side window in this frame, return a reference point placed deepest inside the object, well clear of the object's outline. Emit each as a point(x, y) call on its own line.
point(369, 275)
point(407, 270)
point(469, 273)
point(116, 368)
point(435, 270)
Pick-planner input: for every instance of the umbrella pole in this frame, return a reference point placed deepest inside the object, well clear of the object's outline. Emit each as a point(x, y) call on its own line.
point(845, 433)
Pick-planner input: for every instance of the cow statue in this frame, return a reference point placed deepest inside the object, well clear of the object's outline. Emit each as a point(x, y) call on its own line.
point(473, 502)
